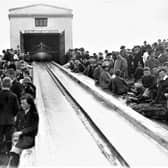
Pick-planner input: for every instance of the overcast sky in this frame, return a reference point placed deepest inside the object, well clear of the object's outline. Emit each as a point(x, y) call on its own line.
point(103, 24)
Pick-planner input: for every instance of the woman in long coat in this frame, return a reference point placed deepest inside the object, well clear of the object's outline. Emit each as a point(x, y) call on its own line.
point(26, 129)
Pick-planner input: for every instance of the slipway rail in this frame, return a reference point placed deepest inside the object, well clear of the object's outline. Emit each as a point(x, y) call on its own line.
point(109, 151)
point(133, 136)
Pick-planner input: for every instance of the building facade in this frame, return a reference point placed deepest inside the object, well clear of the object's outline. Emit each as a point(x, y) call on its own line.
point(38, 24)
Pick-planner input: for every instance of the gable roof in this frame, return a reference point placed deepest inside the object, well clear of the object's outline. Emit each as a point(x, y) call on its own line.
point(40, 4)
point(39, 9)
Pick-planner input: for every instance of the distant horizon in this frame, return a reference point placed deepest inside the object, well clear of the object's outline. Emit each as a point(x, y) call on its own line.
point(103, 24)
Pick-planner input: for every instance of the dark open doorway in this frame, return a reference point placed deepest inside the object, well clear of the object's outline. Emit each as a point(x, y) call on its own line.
point(52, 43)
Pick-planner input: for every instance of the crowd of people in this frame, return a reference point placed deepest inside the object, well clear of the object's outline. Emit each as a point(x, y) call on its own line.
point(18, 114)
point(139, 75)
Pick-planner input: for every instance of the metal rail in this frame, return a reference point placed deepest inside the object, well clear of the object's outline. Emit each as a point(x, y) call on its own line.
point(111, 153)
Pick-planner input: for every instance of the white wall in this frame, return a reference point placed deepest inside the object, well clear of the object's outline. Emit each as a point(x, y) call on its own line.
point(18, 24)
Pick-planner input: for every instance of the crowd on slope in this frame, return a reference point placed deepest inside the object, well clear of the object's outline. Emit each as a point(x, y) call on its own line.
point(140, 74)
point(18, 113)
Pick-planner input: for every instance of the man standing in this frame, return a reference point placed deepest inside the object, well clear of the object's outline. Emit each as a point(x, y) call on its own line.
point(8, 109)
point(121, 65)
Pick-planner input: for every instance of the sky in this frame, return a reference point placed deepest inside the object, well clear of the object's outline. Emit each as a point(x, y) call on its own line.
point(103, 24)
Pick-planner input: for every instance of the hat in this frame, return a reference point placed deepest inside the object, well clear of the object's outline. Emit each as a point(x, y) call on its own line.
point(100, 53)
point(81, 49)
point(122, 47)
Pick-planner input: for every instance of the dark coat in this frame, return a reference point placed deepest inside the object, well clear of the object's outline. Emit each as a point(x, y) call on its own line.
point(104, 80)
point(90, 70)
point(30, 88)
point(28, 124)
point(97, 72)
point(119, 86)
point(9, 107)
point(162, 88)
point(149, 81)
point(138, 59)
point(138, 73)
point(17, 88)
